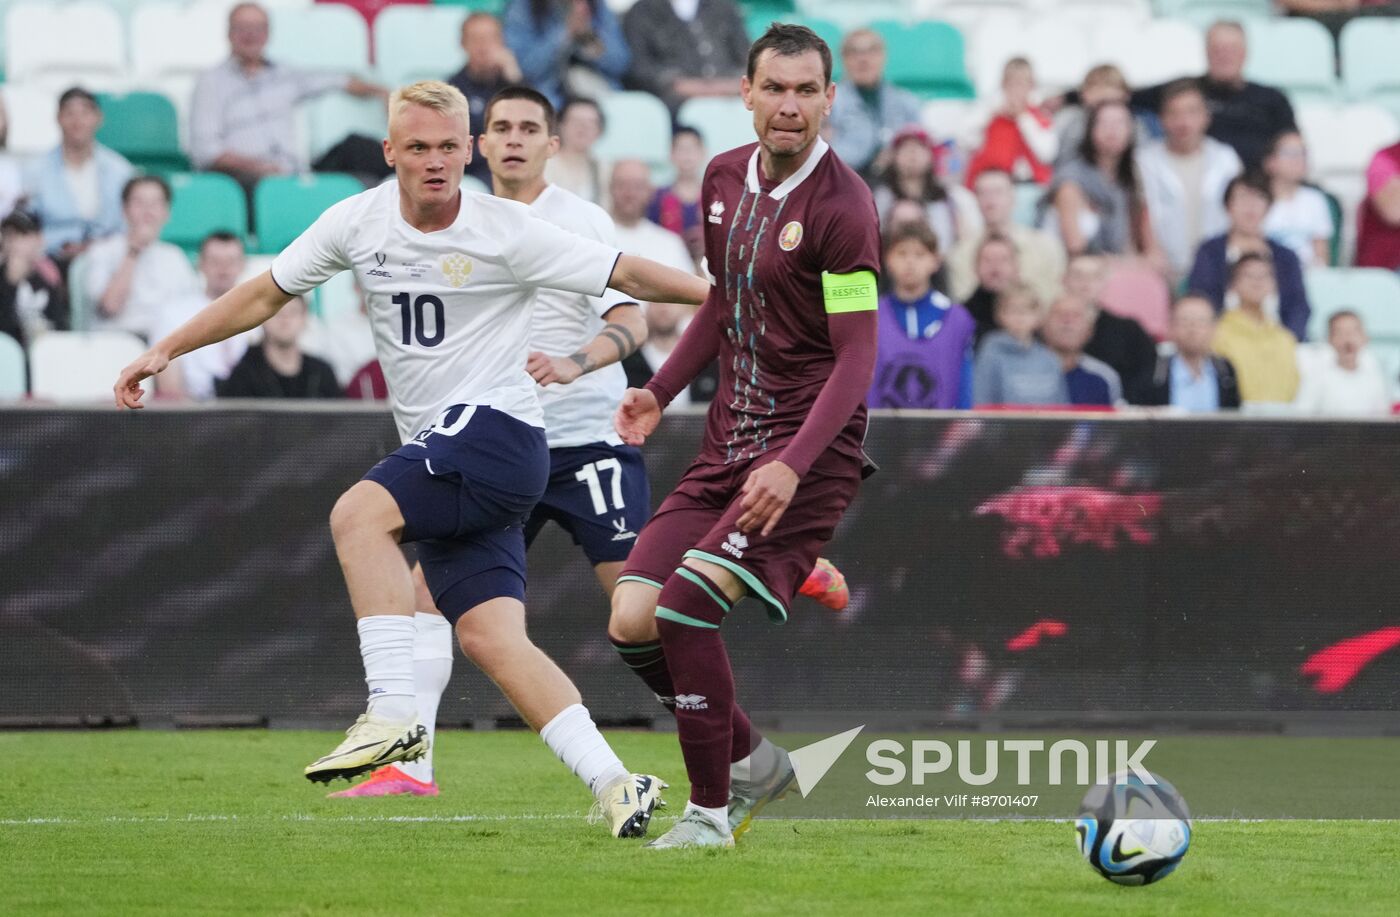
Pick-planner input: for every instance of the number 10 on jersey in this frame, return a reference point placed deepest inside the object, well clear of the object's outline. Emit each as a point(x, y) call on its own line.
point(414, 313)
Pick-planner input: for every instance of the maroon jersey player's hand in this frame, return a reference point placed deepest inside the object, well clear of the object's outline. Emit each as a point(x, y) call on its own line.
point(765, 496)
point(637, 416)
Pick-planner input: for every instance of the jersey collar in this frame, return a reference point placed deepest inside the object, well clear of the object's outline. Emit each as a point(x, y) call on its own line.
point(792, 181)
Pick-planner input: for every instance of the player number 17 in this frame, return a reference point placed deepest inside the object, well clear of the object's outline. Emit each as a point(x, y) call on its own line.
point(591, 475)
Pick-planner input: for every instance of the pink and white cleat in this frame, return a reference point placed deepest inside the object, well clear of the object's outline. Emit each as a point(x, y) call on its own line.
point(387, 781)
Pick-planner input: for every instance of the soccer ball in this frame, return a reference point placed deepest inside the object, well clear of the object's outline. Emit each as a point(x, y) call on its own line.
point(1133, 832)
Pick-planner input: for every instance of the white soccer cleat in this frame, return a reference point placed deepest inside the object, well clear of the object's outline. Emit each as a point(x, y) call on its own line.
point(371, 743)
point(627, 804)
point(694, 829)
point(748, 797)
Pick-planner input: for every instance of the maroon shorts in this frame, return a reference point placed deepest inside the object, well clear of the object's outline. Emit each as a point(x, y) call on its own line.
point(699, 520)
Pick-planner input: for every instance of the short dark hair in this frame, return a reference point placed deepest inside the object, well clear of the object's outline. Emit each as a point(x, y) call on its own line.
point(685, 130)
point(912, 232)
point(219, 235)
point(570, 104)
point(137, 181)
point(1192, 297)
point(22, 221)
point(1245, 260)
point(1344, 313)
point(788, 40)
point(525, 94)
point(1252, 181)
point(1177, 88)
point(78, 92)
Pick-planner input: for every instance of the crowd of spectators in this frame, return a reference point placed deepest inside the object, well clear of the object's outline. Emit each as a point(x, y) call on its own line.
point(1007, 246)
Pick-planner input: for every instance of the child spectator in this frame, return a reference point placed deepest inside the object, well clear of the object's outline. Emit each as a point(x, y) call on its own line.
point(1300, 216)
point(1012, 367)
point(1019, 138)
point(925, 343)
point(1345, 380)
point(1263, 352)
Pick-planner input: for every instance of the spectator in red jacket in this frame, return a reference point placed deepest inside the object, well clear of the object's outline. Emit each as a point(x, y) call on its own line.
point(1020, 137)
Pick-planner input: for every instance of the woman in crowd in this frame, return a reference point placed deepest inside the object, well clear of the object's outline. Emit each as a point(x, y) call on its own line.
point(949, 210)
point(1300, 216)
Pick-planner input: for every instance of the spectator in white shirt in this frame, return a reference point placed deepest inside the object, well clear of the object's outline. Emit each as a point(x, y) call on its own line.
point(131, 276)
point(1184, 176)
point(1345, 379)
point(631, 193)
point(221, 264)
point(1300, 216)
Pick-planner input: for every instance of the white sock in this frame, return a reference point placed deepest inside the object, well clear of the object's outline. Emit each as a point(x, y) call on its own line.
point(432, 668)
point(759, 765)
point(719, 816)
point(386, 645)
point(574, 738)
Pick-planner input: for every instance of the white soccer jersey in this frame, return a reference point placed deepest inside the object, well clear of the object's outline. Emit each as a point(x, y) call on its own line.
point(451, 310)
point(580, 412)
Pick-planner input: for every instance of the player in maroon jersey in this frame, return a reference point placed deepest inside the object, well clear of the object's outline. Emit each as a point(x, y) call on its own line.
point(793, 242)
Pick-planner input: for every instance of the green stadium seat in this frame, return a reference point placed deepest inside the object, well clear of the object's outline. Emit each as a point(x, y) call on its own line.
point(494, 7)
point(926, 58)
point(1372, 293)
point(1295, 55)
point(1208, 11)
point(12, 381)
point(143, 127)
point(204, 202)
point(1370, 66)
point(285, 205)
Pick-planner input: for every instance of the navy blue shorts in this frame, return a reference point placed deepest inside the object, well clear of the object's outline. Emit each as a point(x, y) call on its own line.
point(464, 487)
point(600, 495)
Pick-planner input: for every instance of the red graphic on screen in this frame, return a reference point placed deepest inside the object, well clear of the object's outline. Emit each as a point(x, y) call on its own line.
point(1335, 666)
point(1030, 637)
point(1044, 520)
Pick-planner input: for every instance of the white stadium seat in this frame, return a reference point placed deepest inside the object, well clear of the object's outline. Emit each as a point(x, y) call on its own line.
point(1341, 140)
point(33, 115)
point(170, 39)
point(65, 43)
point(80, 365)
point(723, 122)
point(1056, 48)
point(418, 42)
point(1159, 51)
point(330, 118)
point(1295, 55)
point(327, 36)
point(11, 369)
point(638, 127)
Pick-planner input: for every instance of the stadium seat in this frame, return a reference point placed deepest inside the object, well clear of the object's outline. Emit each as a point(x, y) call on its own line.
point(169, 39)
point(638, 127)
point(1204, 12)
point(286, 205)
point(332, 117)
point(1372, 293)
point(926, 58)
point(33, 124)
point(143, 127)
point(204, 202)
point(724, 123)
point(418, 42)
point(326, 36)
point(1082, 11)
point(12, 385)
point(1370, 65)
point(62, 44)
point(971, 14)
point(1159, 51)
point(494, 7)
point(79, 366)
point(846, 16)
point(1295, 55)
point(1341, 141)
point(1136, 291)
point(1027, 201)
point(1056, 48)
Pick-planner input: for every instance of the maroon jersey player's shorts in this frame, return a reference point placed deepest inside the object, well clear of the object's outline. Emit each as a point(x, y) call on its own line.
point(699, 519)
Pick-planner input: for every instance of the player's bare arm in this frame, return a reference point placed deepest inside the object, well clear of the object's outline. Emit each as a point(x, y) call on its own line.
point(625, 331)
point(244, 307)
point(647, 281)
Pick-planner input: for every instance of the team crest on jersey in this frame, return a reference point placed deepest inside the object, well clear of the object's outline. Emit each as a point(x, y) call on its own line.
point(456, 268)
point(791, 235)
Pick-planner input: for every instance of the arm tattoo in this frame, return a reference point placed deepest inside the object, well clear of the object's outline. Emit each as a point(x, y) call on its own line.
point(616, 333)
point(584, 361)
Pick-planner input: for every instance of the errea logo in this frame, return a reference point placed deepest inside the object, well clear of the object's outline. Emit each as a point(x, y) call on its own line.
point(717, 212)
point(735, 544)
point(691, 702)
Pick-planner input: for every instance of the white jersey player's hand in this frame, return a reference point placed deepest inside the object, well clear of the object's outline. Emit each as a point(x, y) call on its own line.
point(547, 370)
point(128, 389)
point(637, 416)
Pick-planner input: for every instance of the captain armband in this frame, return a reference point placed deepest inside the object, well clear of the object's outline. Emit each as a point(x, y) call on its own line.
point(853, 292)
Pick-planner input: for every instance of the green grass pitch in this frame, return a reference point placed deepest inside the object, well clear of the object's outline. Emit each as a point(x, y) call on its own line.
point(222, 822)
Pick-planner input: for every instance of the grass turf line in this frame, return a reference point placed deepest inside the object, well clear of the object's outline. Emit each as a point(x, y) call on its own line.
point(223, 822)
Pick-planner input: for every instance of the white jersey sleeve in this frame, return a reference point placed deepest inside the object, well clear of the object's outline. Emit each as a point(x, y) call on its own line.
point(316, 255)
point(543, 255)
point(604, 231)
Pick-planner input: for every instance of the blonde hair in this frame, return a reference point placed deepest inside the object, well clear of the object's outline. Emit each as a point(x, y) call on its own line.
point(434, 94)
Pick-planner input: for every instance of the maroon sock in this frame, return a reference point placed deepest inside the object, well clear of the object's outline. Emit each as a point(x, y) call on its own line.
point(648, 662)
point(688, 615)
